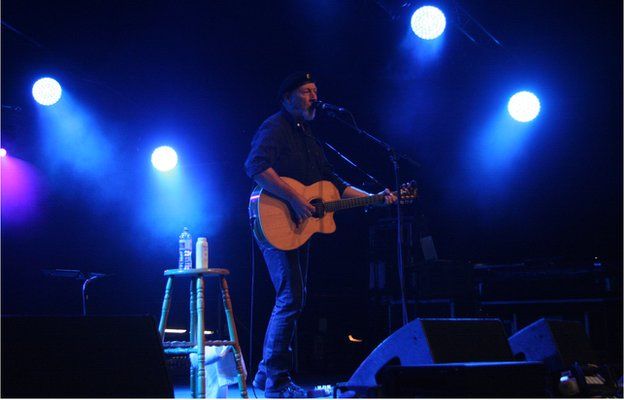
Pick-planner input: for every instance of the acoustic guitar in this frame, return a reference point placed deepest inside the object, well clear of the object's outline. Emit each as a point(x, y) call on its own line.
point(274, 223)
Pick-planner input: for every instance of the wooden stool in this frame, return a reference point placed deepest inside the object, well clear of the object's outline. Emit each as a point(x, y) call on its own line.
point(196, 331)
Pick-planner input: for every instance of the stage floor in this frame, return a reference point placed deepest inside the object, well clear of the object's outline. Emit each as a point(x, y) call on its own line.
point(184, 392)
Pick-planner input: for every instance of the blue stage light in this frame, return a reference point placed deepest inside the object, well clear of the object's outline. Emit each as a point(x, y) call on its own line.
point(47, 91)
point(164, 158)
point(523, 106)
point(428, 22)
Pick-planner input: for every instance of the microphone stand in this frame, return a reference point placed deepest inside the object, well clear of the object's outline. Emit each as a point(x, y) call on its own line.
point(90, 276)
point(78, 275)
point(394, 159)
point(369, 176)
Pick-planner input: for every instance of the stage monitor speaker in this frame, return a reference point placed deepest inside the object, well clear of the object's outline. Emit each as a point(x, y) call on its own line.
point(71, 357)
point(467, 380)
point(436, 341)
point(557, 343)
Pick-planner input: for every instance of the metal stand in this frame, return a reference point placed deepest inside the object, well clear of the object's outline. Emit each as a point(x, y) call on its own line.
point(78, 275)
point(394, 159)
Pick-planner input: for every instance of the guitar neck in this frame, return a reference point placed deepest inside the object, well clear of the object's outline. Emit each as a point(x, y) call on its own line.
point(344, 204)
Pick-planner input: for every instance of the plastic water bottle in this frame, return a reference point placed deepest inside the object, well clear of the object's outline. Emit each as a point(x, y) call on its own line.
point(201, 253)
point(186, 250)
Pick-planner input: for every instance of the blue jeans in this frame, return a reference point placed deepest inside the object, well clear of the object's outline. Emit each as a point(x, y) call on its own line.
point(285, 269)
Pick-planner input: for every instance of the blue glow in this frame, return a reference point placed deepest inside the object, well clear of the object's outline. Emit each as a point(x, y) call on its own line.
point(523, 106)
point(428, 22)
point(47, 91)
point(80, 152)
point(164, 158)
point(189, 195)
point(3, 152)
point(177, 199)
point(498, 148)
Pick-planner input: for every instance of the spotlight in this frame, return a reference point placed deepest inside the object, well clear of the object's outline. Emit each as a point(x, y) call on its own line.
point(3, 153)
point(46, 91)
point(428, 22)
point(523, 106)
point(164, 158)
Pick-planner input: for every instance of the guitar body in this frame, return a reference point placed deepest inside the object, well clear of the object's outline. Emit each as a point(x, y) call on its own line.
point(273, 221)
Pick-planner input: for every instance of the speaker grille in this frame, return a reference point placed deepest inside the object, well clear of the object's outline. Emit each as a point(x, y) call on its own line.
point(83, 357)
point(557, 343)
point(466, 340)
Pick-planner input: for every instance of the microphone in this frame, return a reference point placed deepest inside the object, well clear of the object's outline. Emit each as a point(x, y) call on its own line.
point(321, 105)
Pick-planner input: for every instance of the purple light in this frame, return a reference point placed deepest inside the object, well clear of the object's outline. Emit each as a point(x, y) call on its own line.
point(3, 152)
point(20, 188)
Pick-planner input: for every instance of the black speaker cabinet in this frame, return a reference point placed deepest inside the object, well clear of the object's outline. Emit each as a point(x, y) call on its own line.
point(436, 341)
point(466, 380)
point(557, 343)
point(73, 357)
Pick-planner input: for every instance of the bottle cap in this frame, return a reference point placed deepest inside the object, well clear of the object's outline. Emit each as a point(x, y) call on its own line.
point(202, 239)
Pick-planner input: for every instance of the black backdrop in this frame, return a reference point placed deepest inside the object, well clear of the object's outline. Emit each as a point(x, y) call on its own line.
point(206, 74)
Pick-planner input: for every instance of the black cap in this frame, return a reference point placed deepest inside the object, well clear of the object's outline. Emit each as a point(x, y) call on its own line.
point(293, 81)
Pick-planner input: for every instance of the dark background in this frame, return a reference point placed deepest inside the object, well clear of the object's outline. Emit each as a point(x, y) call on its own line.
point(202, 76)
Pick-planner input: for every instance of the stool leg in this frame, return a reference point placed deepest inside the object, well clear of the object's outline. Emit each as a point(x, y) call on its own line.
point(229, 315)
point(201, 340)
point(193, 335)
point(164, 314)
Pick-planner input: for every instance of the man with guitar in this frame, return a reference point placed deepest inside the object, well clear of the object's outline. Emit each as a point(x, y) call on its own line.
point(284, 158)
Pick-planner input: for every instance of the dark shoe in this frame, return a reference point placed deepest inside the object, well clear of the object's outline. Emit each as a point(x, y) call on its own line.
point(259, 380)
point(289, 391)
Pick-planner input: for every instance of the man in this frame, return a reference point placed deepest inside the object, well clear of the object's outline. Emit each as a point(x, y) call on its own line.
point(284, 146)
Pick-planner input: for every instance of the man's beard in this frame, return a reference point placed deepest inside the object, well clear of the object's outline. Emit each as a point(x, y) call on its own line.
point(309, 114)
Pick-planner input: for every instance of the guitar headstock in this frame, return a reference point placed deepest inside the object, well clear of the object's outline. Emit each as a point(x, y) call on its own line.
point(409, 192)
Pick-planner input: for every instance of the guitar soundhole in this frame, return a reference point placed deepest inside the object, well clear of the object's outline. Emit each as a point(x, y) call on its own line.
point(319, 208)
